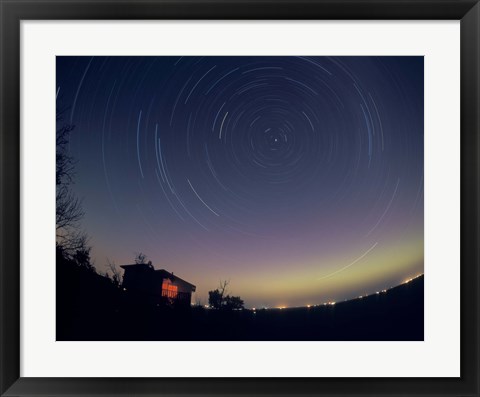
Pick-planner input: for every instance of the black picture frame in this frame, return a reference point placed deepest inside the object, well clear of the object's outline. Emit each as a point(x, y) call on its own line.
point(14, 11)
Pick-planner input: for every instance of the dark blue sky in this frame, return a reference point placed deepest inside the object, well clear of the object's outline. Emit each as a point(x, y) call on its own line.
point(300, 179)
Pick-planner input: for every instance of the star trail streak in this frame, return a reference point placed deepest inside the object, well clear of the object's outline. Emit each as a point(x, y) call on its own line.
point(273, 172)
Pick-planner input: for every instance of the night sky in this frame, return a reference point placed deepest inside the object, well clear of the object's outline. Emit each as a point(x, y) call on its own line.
point(299, 179)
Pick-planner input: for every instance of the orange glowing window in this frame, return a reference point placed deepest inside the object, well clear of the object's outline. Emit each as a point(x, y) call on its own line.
point(169, 290)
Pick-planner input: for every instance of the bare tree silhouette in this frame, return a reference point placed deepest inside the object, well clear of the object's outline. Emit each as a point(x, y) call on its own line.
point(69, 211)
point(140, 258)
point(116, 275)
point(219, 299)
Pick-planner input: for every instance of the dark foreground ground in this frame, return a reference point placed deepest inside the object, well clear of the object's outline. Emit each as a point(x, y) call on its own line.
point(100, 312)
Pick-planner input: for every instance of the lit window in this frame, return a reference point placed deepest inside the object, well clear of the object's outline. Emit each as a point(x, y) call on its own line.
point(169, 290)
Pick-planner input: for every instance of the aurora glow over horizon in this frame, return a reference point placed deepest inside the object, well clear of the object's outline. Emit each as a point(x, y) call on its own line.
point(299, 179)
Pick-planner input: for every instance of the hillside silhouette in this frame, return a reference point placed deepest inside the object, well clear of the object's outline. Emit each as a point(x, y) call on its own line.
point(91, 307)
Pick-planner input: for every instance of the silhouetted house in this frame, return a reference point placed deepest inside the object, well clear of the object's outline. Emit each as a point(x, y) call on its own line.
point(142, 280)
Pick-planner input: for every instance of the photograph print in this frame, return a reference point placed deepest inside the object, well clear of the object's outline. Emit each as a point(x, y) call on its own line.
point(239, 198)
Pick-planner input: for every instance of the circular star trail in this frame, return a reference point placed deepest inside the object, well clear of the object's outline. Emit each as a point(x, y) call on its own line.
point(252, 166)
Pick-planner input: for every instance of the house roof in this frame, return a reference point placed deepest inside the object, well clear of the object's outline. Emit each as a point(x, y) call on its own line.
point(159, 273)
point(139, 266)
point(173, 278)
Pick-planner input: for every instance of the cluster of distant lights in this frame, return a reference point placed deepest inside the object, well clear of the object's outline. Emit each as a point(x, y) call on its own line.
point(332, 303)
